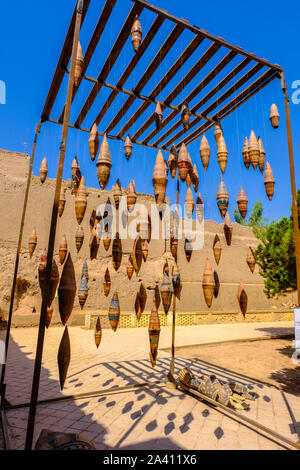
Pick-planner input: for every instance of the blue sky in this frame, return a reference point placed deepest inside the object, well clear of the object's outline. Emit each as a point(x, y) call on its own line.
point(32, 34)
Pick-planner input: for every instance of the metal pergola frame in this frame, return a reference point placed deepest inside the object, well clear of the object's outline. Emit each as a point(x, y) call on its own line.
point(260, 73)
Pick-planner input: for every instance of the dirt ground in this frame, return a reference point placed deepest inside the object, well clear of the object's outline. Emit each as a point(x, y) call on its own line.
point(268, 361)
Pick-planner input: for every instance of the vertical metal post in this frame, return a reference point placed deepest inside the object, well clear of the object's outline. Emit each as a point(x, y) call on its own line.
point(41, 333)
point(17, 261)
point(293, 182)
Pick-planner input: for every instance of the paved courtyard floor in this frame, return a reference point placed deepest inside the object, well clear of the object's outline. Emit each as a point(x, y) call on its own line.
point(153, 417)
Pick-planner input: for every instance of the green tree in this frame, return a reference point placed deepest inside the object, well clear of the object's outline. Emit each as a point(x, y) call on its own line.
point(255, 219)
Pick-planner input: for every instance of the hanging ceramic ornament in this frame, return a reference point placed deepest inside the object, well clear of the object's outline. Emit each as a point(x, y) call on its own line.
point(76, 174)
point(136, 34)
point(130, 268)
point(98, 333)
point(183, 163)
point(174, 245)
point(205, 152)
point(142, 300)
point(262, 155)
point(217, 249)
point(93, 220)
point(114, 312)
point(242, 202)
point(64, 358)
point(269, 181)
point(253, 150)
point(242, 298)
point(145, 250)
point(106, 240)
point(218, 133)
point(137, 255)
point(189, 203)
point(188, 248)
point(128, 148)
point(104, 164)
point(54, 278)
point(251, 261)
point(42, 269)
point(154, 334)
point(173, 161)
point(83, 292)
point(228, 229)
point(208, 283)
point(157, 298)
point(67, 291)
point(222, 198)
point(189, 175)
point(160, 179)
point(176, 280)
point(79, 237)
point(200, 208)
point(44, 170)
point(222, 154)
point(94, 142)
point(166, 292)
point(117, 194)
point(131, 196)
point(81, 201)
point(185, 115)
point(79, 65)
point(274, 116)
point(94, 245)
point(195, 179)
point(32, 242)
point(63, 249)
point(117, 252)
point(166, 269)
point(158, 115)
point(246, 154)
point(62, 202)
point(107, 283)
point(85, 271)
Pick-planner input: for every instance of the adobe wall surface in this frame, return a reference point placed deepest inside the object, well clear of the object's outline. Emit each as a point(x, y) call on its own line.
point(232, 267)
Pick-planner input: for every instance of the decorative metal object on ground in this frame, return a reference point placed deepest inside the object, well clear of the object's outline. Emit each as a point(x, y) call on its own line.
point(79, 65)
point(114, 312)
point(117, 194)
point(205, 152)
point(274, 116)
point(32, 242)
point(104, 164)
point(76, 174)
point(242, 202)
point(83, 292)
point(166, 292)
point(136, 34)
point(217, 249)
point(107, 283)
point(253, 150)
point(173, 161)
point(94, 142)
point(62, 202)
point(188, 248)
point(128, 148)
point(185, 115)
point(94, 245)
point(189, 203)
point(131, 196)
point(44, 170)
point(246, 154)
point(160, 179)
point(222, 198)
point(67, 291)
point(64, 358)
point(183, 163)
point(228, 229)
point(195, 178)
point(158, 115)
point(262, 155)
point(137, 255)
point(208, 283)
point(59, 441)
point(222, 154)
point(242, 298)
point(63, 249)
point(269, 181)
point(79, 237)
point(98, 333)
point(251, 261)
point(117, 252)
point(81, 201)
point(154, 334)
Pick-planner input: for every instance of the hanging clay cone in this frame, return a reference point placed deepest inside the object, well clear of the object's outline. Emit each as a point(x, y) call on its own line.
point(76, 174)
point(200, 208)
point(42, 269)
point(107, 283)
point(98, 333)
point(205, 152)
point(49, 316)
point(67, 291)
point(217, 249)
point(242, 202)
point(262, 155)
point(93, 219)
point(253, 150)
point(176, 280)
point(136, 34)
point(222, 154)
point(157, 298)
point(142, 299)
point(62, 202)
point(79, 237)
point(94, 142)
point(81, 201)
point(189, 203)
point(154, 334)
point(188, 248)
point(85, 271)
point(228, 228)
point(130, 268)
point(32, 242)
point(104, 164)
point(137, 307)
point(185, 115)
point(63, 249)
point(106, 241)
point(174, 246)
point(131, 196)
point(64, 358)
point(137, 255)
point(166, 292)
point(166, 269)
point(173, 161)
point(117, 252)
point(160, 179)
point(114, 312)
point(54, 277)
point(246, 157)
point(128, 148)
point(251, 261)
point(274, 116)
point(208, 283)
point(83, 292)
point(218, 133)
point(79, 65)
point(242, 298)
point(183, 163)
point(195, 179)
point(44, 170)
point(222, 198)
point(158, 115)
point(145, 250)
point(117, 194)
point(94, 245)
point(189, 176)
point(269, 181)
